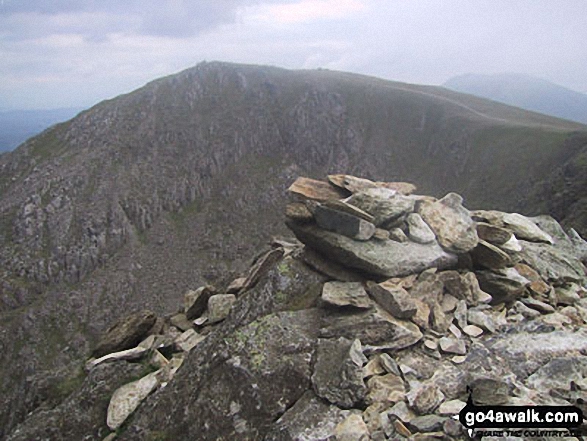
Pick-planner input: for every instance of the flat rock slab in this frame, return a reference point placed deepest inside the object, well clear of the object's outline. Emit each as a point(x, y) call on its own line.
point(316, 190)
point(395, 300)
point(384, 205)
point(388, 259)
point(346, 294)
point(127, 354)
point(504, 285)
point(489, 256)
point(525, 228)
point(128, 397)
point(126, 333)
point(492, 233)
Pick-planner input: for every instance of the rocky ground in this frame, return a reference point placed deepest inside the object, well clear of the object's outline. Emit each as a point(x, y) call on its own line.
point(376, 324)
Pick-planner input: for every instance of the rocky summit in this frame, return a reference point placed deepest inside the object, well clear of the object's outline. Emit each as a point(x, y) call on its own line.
point(378, 322)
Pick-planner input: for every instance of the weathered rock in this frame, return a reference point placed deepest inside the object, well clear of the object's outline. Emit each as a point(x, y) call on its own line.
point(235, 286)
point(482, 320)
point(389, 364)
point(347, 208)
point(343, 223)
point(427, 423)
point(553, 264)
point(188, 340)
point(452, 407)
point(394, 300)
point(464, 287)
point(346, 294)
point(536, 304)
point(460, 314)
point(568, 294)
point(386, 206)
point(316, 190)
point(128, 397)
point(262, 266)
point(452, 346)
point(219, 307)
point(329, 267)
point(388, 389)
point(472, 330)
point(449, 303)
point(388, 259)
point(351, 183)
point(486, 391)
point(512, 245)
point(525, 229)
point(405, 188)
point(493, 234)
point(125, 333)
point(439, 321)
point(425, 398)
point(195, 302)
point(489, 256)
point(127, 354)
point(373, 367)
point(376, 329)
point(298, 212)
point(353, 428)
point(558, 374)
point(397, 235)
point(401, 411)
point(451, 222)
point(338, 375)
point(422, 315)
point(418, 230)
point(309, 419)
point(504, 285)
point(181, 322)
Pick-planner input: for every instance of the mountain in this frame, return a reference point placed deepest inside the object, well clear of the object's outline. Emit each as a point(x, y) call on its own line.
point(176, 185)
point(525, 91)
point(16, 126)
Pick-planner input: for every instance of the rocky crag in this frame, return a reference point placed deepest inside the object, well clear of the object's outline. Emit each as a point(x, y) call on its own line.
point(371, 326)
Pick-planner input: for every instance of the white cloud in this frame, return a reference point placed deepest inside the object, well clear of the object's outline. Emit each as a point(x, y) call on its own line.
point(305, 11)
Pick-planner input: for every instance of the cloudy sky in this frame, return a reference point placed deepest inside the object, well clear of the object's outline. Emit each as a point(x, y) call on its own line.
point(63, 53)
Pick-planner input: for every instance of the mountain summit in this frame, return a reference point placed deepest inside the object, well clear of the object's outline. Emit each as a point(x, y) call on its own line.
point(174, 186)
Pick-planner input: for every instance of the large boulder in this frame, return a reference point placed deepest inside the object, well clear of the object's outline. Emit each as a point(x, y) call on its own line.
point(125, 333)
point(451, 222)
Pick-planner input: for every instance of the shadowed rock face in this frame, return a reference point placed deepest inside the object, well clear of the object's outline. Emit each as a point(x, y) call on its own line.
point(174, 186)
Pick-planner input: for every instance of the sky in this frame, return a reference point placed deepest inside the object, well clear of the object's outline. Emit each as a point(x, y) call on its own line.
point(75, 53)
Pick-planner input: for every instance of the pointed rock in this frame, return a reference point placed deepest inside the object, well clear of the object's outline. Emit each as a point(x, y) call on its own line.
point(451, 222)
point(235, 286)
point(195, 302)
point(525, 229)
point(316, 190)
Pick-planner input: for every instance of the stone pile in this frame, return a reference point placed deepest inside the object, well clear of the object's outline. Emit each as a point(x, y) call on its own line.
point(392, 305)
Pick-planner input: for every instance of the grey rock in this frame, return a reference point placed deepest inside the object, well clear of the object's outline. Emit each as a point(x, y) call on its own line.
point(464, 287)
point(418, 230)
point(315, 190)
point(482, 320)
point(351, 183)
point(472, 330)
point(376, 329)
point(353, 428)
point(427, 423)
point(195, 302)
point(397, 235)
point(261, 266)
point(219, 306)
point(235, 286)
point(487, 391)
point(537, 305)
point(452, 346)
point(452, 407)
point(127, 398)
point(527, 312)
point(125, 333)
point(387, 389)
point(439, 320)
point(127, 354)
point(389, 259)
point(568, 294)
point(337, 376)
point(524, 228)
point(386, 206)
point(188, 340)
point(504, 285)
point(492, 233)
point(553, 264)
point(425, 398)
point(309, 419)
point(346, 294)
point(558, 374)
point(394, 300)
point(489, 256)
point(389, 364)
point(512, 245)
point(343, 223)
point(298, 212)
point(181, 322)
point(400, 410)
point(329, 267)
point(451, 222)
point(345, 207)
point(461, 314)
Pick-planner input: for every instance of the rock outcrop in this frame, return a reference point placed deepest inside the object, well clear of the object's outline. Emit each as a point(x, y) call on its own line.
point(353, 336)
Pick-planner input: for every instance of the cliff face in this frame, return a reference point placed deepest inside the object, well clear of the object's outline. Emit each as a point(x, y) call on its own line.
point(144, 196)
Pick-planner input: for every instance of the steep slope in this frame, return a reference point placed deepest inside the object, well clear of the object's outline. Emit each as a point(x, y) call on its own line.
point(152, 193)
point(525, 91)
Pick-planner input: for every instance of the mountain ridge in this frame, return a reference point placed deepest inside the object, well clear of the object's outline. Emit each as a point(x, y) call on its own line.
point(147, 195)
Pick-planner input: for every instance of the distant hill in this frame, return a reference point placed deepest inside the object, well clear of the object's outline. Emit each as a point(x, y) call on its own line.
point(175, 185)
point(525, 91)
point(16, 126)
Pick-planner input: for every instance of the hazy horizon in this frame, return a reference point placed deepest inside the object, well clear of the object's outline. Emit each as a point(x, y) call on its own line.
point(76, 53)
